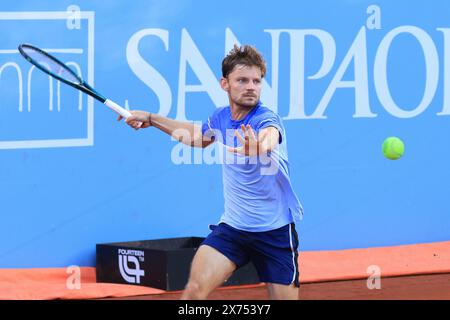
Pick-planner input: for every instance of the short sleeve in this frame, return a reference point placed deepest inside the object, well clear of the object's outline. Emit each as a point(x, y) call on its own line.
point(273, 120)
point(210, 126)
point(207, 127)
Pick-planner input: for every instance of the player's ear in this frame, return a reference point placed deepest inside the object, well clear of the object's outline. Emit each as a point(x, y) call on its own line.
point(224, 84)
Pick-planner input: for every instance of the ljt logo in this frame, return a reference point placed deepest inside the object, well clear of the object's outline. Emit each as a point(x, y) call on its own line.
point(134, 274)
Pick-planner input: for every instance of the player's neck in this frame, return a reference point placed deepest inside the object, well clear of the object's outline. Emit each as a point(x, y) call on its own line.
point(239, 112)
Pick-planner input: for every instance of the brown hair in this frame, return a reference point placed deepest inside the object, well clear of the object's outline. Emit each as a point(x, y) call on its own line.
point(245, 55)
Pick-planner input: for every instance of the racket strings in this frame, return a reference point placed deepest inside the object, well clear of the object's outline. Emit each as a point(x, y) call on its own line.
point(51, 65)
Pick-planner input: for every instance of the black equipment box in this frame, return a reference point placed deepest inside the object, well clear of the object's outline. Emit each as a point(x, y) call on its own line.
point(164, 263)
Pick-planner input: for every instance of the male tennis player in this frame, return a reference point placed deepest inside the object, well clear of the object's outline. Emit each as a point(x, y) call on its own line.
point(261, 208)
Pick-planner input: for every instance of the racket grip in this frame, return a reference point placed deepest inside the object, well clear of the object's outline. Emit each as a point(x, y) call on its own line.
point(114, 106)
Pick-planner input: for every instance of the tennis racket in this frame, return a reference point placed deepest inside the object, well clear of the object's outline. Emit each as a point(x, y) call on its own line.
point(55, 68)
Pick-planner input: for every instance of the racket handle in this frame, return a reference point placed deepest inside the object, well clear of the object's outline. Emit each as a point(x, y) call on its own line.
point(114, 106)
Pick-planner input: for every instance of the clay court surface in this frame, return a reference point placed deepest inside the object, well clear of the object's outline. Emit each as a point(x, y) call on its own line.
point(407, 272)
point(423, 287)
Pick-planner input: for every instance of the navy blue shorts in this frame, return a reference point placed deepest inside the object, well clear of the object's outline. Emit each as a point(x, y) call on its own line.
point(273, 253)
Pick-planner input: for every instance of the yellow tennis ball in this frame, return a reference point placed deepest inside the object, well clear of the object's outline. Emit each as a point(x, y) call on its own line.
point(393, 148)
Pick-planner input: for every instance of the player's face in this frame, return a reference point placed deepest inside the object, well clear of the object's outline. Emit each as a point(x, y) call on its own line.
point(243, 85)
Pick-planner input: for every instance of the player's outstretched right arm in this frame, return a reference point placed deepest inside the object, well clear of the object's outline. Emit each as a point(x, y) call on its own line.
point(185, 132)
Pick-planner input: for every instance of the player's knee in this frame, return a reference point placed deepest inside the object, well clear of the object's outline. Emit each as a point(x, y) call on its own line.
point(194, 291)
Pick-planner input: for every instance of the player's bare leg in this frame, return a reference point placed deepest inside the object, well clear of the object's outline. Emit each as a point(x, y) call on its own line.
point(282, 292)
point(209, 269)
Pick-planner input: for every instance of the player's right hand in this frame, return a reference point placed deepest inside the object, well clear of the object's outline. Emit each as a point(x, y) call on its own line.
point(138, 119)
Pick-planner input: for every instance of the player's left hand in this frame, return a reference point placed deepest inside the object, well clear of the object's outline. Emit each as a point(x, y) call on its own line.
point(251, 144)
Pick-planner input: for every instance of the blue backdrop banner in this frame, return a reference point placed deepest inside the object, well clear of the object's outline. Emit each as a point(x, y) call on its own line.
point(343, 75)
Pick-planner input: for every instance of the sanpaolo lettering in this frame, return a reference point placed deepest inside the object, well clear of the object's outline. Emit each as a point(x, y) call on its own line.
point(356, 56)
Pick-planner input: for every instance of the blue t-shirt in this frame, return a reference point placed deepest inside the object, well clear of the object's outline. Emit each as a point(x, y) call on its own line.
point(257, 190)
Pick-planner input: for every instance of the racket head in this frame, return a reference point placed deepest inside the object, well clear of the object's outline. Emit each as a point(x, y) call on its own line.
point(49, 64)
